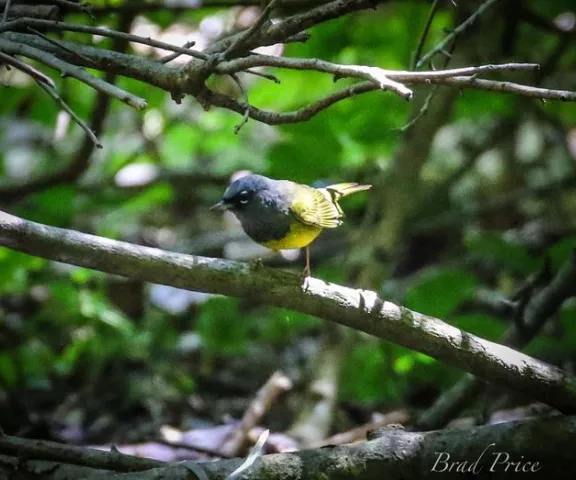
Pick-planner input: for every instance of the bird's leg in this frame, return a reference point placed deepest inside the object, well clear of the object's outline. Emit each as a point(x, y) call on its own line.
point(307, 271)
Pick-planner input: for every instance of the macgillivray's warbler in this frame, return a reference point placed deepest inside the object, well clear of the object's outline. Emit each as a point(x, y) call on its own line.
point(281, 214)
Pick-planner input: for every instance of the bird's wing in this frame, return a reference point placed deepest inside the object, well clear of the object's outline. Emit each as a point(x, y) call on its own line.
point(316, 207)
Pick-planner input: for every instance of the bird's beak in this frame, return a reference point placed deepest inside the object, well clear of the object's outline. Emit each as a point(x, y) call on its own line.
point(220, 206)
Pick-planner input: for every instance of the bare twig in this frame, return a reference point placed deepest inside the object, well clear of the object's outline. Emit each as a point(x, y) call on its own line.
point(74, 169)
point(303, 21)
point(275, 118)
point(173, 56)
point(374, 74)
point(457, 31)
point(431, 15)
point(241, 40)
point(71, 112)
point(80, 6)
point(246, 114)
point(80, 160)
point(386, 79)
point(237, 442)
point(509, 87)
point(428, 101)
point(6, 10)
point(267, 76)
point(422, 111)
point(28, 69)
point(359, 71)
point(60, 45)
point(104, 32)
point(439, 77)
point(73, 71)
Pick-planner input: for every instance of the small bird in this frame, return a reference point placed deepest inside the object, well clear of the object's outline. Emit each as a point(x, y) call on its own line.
point(281, 214)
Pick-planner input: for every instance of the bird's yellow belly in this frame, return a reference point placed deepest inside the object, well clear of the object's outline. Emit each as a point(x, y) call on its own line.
point(299, 236)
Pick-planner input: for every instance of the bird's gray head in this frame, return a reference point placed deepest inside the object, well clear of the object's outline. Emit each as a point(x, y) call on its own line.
point(243, 193)
point(262, 206)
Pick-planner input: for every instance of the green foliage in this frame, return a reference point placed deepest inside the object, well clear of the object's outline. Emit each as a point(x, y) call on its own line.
point(562, 252)
point(364, 375)
point(281, 325)
point(222, 328)
point(128, 216)
point(8, 374)
point(440, 292)
point(54, 206)
point(314, 155)
point(494, 247)
point(17, 268)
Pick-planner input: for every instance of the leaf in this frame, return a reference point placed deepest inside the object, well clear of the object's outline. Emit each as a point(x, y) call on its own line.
point(281, 325)
point(440, 292)
point(562, 252)
point(16, 270)
point(503, 252)
point(179, 146)
point(222, 327)
point(371, 384)
point(309, 152)
point(54, 206)
point(8, 373)
point(95, 306)
point(35, 360)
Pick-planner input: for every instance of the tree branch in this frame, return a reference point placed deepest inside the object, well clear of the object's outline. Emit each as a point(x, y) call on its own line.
point(81, 159)
point(457, 31)
point(241, 40)
point(6, 11)
point(178, 80)
point(283, 30)
point(103, 32)
point(359, 309)
point(390, 453)
point(27, 69)
point(509, 87)
point(72, 71)
point(62, 104)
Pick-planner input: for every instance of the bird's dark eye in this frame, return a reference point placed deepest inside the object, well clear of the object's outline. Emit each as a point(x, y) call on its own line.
point(244, 196)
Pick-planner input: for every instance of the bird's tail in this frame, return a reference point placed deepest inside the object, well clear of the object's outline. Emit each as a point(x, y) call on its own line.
point(337, 191)
point(340, 190)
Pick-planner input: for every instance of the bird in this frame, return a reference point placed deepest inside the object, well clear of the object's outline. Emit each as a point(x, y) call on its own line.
point(281, 214)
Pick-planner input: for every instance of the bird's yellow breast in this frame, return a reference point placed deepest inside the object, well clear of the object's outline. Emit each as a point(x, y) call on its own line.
point(299, 235)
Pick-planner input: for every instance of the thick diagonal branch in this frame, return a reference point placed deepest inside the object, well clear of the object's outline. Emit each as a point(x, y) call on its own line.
point(359, 309)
